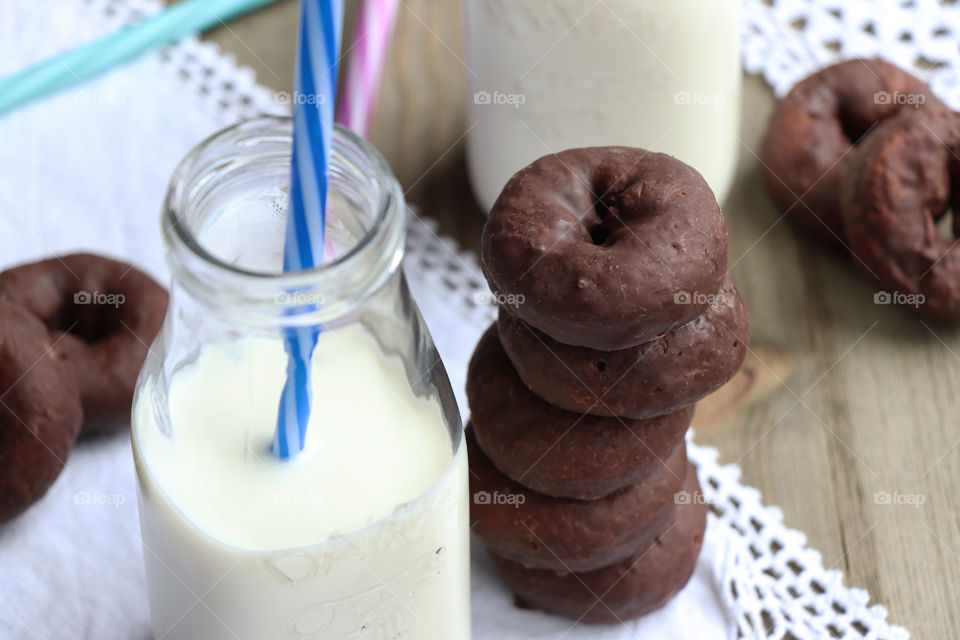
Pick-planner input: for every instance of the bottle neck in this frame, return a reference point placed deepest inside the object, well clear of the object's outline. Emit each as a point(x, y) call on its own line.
point(224, 228)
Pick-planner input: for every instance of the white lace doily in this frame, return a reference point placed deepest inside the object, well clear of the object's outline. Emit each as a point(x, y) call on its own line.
point(772, 584)
point(787, 40)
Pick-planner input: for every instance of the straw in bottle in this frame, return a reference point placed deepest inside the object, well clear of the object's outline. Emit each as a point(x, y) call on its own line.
point(321, 22)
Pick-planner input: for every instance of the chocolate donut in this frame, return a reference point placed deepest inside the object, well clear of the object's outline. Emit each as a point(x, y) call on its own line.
point(103, 314)
point(569, 535)
point(557, 452)
point(655, 378)
point(624, 590)
point(591, 246)
point(40, 412)
point(808, 142)
point(902, 178)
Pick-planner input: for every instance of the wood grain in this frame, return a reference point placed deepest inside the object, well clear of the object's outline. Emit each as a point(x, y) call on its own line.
point(841, 399)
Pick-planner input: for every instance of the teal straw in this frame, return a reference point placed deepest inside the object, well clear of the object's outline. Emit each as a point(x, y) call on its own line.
point(89, 60)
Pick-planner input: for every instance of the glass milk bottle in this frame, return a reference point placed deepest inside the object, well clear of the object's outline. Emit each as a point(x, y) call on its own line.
point(556, 74)
point(363, 534)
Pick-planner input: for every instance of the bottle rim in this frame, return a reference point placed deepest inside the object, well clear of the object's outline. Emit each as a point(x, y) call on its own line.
point(341, 283)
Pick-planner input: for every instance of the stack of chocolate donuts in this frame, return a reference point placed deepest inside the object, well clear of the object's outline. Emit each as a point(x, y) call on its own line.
point(582, 391)
point(861, 154)
point(74, 332)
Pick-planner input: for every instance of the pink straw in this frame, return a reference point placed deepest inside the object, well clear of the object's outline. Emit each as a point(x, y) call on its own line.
point(360, 83)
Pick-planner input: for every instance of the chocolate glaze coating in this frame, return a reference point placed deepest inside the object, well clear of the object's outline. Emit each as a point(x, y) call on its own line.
point(900, 180)
point(597, 242)
point(624, 590)
point(807, 145)
point(557, 452)
point(655, 378)
point(569, 535)
point(40, 412)
point(104, 340)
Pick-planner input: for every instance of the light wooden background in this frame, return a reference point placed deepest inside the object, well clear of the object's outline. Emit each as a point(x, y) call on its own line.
point(841, 399)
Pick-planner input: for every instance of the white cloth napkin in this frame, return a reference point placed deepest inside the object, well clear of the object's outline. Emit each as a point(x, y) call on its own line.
point(87, 170)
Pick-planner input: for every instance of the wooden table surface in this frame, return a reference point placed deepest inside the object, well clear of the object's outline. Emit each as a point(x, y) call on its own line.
point(841, 399)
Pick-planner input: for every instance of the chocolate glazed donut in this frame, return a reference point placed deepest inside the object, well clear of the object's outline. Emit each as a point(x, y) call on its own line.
point(809, 139)
point(654, 378)
point(624, 590)
point(569, 535)
point(557, 452)
point(40, 412)
point(900, 180)
point(594, 245)
point(103, 314)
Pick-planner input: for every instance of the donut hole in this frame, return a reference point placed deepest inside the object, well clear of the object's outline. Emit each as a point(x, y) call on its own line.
point(947, 225)
point(598, 229)
point(89, 322)
point(854, 126)
point(599, 234)
point(951, 220)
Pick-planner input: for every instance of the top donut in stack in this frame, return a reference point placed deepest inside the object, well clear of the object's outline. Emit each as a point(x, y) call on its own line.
point(623, 317)
point(599, 242)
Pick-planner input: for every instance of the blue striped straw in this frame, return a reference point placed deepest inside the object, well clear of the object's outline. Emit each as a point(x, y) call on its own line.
point(321, 22)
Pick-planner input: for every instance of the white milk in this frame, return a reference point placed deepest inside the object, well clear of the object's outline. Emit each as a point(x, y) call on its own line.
point(363, 535)
point(555, 74)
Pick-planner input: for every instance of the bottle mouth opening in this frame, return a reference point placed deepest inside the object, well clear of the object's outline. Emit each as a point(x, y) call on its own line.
point(224, 220)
